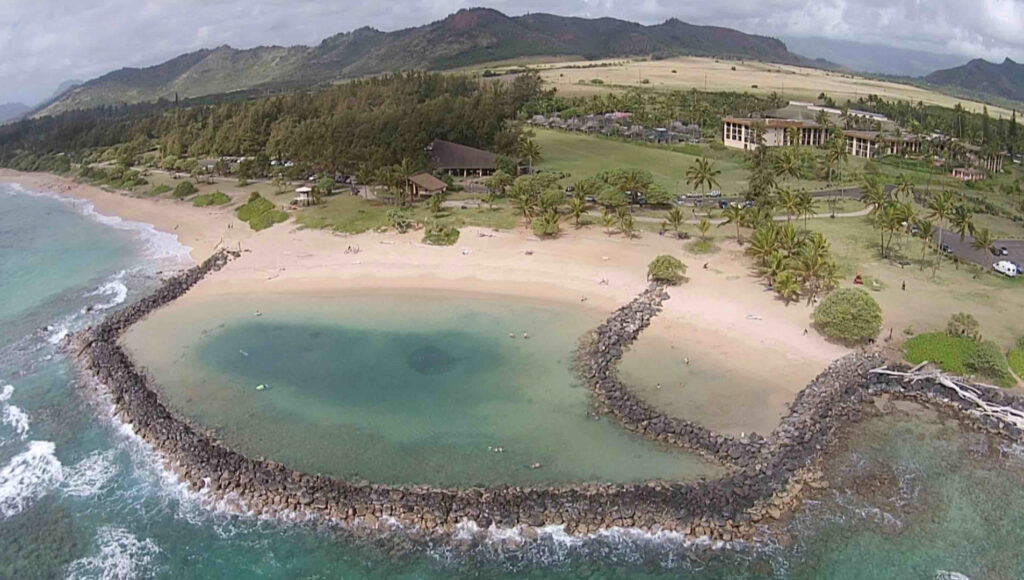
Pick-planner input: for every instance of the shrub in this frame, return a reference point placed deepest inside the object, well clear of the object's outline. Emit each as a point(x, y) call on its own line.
point(546, 226)
point(666, 269)
point(986, 360)
point(184, 189)
point(260, 213)
point(849, 315)
point(160, 189)
point(215, 198)
point(267, 219)
point(439, 235)
point(256, 205)
point(963, 324)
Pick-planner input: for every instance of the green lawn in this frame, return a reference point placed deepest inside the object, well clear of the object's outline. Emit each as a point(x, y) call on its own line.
point(960, 355)
point(584, 156)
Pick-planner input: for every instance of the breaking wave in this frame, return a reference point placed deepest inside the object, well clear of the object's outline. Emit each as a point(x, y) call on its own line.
point(119, 556)
point(29, 476)
point(12, 415)
point(89, 475)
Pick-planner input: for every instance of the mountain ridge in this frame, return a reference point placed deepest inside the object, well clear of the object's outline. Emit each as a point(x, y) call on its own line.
point(1005, 79)
point(467, 37)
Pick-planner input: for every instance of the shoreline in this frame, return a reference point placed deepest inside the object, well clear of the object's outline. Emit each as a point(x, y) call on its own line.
point(726, 317)
point(768, 476)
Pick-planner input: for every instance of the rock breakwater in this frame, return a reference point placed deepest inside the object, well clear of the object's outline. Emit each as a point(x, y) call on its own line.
point(767, 475)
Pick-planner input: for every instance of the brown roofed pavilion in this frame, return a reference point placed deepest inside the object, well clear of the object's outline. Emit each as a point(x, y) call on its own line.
point(460, 159)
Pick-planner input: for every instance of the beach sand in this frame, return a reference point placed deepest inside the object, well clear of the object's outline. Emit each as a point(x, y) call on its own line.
point(721, 316)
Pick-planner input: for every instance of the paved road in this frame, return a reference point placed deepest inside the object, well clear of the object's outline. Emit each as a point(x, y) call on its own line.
point(966, 251)
point(716, 221)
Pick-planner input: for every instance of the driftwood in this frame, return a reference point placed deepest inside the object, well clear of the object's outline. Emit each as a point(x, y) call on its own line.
point(966, 391)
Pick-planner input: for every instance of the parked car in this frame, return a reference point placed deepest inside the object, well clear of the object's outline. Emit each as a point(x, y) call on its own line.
point(946, 249)
point(714, 193)
point(1006, 268)
point(1002, 251)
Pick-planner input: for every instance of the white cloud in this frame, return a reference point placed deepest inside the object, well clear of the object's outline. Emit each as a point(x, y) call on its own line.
point(44, 42)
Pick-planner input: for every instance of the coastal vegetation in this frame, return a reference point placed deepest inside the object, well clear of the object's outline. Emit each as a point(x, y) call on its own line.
point(962, 355)
point(666, 269)
point(184, 189)
point(1016, 358)
point(208, 199)
point(260, 213)
point(437, 234)
point(849, 315)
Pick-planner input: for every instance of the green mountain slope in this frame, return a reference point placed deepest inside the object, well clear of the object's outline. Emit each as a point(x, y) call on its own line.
point(1005, 80)
point(467, 37)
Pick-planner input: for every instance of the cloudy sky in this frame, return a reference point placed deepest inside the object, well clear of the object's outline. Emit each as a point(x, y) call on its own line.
point(45, 42)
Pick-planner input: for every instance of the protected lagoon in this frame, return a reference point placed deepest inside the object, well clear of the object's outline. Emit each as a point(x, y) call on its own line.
point(397, 388)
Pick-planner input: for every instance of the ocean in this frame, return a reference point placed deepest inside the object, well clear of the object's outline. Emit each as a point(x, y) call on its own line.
point(912, 494)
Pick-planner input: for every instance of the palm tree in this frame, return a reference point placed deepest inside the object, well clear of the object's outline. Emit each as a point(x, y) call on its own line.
point(608, 221)
point(962, 221)
point(904, 188)
point(701, 174)
point(763, 243)
point(403, 171)
point(925, 231)
point(577, 208)
point(733, 215)
point(787, 287)
point(941, 205)
point(524, 199)
point(883, 221)
point(675, 219)
point(704, 225)
point(873, 193)
point(626, 225)
point(789, 239)
point(788, 202)
point(983, 240)
point(786, 164)
point(529, 152)
point(805, 205)
point(773, 267)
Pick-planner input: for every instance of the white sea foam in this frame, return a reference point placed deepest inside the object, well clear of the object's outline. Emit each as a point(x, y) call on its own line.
point(12, 415)
point(119, 556)
point(947, 575)
point(89, 475)
point(157, 245)
point(115, 288)
point(28, 476)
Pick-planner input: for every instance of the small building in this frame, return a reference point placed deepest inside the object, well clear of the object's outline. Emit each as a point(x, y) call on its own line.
point(968, 174)
point(425, 185)
point(459, 159)
point(303, 196)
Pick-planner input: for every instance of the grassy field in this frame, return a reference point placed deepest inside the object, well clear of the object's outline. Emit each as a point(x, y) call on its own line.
point(585, 155)
point(352, 214)
point(574, 77)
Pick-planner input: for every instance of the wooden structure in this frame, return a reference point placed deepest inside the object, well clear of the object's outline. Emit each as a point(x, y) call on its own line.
point(456, 159)
point(425, 185)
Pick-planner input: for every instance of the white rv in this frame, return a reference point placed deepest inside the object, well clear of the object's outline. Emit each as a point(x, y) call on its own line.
point(1006, 268)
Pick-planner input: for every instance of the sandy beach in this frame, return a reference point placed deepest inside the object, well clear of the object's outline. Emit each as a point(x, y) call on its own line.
point(720, 316)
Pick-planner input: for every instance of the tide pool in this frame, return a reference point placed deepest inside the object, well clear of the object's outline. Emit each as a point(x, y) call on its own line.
point(398, 388)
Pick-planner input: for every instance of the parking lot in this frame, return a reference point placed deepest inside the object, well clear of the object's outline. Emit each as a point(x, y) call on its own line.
point(965, 250)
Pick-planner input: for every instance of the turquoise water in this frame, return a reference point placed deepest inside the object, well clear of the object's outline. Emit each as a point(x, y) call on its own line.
point(398, 388)
point(912, 496)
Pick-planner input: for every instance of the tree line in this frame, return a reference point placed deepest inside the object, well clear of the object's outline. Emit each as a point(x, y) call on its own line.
point(368, 123)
